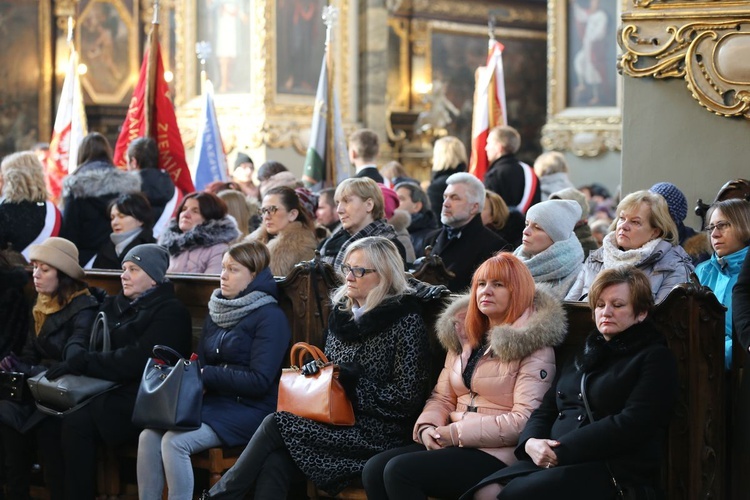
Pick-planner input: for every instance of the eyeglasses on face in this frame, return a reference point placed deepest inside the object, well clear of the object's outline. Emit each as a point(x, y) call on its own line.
point(721, 226)
point(357, 272)
point(269, 210)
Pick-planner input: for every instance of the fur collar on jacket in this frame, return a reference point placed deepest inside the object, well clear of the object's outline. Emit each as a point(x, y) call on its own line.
point(208, 234)
point(400, 220)
point(547, 325)
point(292, 245)
point(341, 323)
point(597, 351)
point(100, 181)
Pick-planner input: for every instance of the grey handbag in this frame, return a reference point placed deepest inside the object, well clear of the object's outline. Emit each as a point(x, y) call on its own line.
point(68, 393)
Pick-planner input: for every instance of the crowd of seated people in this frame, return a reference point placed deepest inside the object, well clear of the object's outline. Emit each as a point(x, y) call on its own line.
point(488, 429)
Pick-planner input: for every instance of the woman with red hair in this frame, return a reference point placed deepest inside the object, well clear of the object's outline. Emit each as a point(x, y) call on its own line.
point(499, 365)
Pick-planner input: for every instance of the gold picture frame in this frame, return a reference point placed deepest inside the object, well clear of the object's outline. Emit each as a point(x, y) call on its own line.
point(578, 124)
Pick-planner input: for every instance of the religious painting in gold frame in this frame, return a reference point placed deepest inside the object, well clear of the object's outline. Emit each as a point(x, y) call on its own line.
point(107, 41)
point(26, 69)
point(584, 90)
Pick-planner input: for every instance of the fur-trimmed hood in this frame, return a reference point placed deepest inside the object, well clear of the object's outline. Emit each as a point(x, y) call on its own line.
point(546, 325)
point(100, 179)
point(209, 233)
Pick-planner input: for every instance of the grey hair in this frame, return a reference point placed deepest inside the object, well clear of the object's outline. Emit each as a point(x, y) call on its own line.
point(474, 187)
point(385, 259)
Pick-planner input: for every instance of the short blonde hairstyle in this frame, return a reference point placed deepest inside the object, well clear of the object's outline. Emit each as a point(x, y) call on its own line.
point(23, 176)
point(364, 188)
point(659, 217)
point(550, 163)
point(448, 152)
point(508, 137)
point(499, 212)
point(385, 259)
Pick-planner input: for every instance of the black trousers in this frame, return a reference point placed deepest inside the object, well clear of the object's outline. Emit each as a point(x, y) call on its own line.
point(412, 472)
point(265, 467)
point(17, 462)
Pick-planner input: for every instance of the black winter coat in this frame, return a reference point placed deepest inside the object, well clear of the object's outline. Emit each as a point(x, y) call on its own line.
point(506, 178)
point(422, 225)
point(241, 366)
point(86, 195)
point(14, 310)
point(158, 187)
point(437, 187)
point(156, 317)
point(21, 223)
point(463, 255)
point(632, 387)
point(107, 257)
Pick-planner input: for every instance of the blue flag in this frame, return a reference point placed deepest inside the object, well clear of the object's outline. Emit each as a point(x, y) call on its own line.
point(210, 160)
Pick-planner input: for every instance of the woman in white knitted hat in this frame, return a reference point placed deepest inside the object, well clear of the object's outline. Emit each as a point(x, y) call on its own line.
point(62, 317)
point(549, 247)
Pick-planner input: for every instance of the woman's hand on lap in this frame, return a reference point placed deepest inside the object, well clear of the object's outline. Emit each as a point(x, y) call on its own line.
point(541, 452)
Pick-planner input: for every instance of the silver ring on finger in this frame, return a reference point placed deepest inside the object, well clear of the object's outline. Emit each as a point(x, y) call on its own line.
point(548, 464)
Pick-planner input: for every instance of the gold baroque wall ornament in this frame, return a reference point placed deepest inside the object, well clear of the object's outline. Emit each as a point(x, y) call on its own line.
point(709, 54)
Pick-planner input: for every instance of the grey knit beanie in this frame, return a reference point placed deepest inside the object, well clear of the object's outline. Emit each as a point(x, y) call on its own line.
point(557, 217)
point(153, 259)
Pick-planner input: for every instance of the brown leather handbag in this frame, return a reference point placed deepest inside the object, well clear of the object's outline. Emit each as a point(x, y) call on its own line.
point(319, 396)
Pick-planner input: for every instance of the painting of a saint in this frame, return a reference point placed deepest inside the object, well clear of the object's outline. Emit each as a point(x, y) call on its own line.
point(591, 58)
point(225, 24)
point(300, 45)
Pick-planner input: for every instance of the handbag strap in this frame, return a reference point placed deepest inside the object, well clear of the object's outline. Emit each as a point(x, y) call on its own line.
point(100, 321)
point(618, 488)
point(159, 352)
point(300, 349)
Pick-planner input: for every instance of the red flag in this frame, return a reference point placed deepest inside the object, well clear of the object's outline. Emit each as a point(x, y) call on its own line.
point(489, 107)
point(151, 113)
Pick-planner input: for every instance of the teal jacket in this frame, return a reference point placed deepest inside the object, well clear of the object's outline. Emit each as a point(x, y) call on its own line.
point(720, 274)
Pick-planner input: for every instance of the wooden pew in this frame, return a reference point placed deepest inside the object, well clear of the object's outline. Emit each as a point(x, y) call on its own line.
point(691, 318)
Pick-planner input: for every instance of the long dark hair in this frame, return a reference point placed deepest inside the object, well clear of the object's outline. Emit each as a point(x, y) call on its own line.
point(94, 147)
point(66, 287)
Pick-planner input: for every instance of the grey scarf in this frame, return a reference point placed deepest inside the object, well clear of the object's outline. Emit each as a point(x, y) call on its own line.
point(228, 312)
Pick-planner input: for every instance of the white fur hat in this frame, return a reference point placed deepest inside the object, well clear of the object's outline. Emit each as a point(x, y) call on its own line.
point(557, 217)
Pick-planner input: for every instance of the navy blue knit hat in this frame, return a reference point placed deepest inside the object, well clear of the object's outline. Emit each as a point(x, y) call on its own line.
point(676, 201)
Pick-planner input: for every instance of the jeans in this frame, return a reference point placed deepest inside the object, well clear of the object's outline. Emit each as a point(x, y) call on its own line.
point(264, 467)
point(167, 453)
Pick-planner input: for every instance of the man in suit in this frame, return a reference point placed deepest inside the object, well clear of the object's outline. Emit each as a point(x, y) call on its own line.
point(464, 243)
point(364, 146)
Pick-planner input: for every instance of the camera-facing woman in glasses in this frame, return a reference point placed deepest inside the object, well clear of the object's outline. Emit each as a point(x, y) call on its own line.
point(287, 230)
point(728, 232)
point(377, 336)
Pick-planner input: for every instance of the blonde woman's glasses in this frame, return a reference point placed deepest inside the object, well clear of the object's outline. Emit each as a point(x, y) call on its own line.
point(357, 272)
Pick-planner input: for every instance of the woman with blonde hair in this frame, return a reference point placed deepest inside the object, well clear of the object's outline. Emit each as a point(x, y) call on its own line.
point(643, 235)
point(497, 217)
point(238, 207)
point(499, 365)
point(26, 215)
point(378, 338)
point(448, 157)
point(361, 208)
point(552, 171)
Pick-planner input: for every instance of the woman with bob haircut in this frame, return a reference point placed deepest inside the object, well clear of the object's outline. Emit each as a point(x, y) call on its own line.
point(497, 217)
point(642, 235)
point(131, 219)
point(378, 338)
point(628, 376)
point(361, 208)
point(448, 157)
point(499, 365)
point(287, 229)
point(728, 232)
point(241, 352)
point(26, 215)
point(199, 235)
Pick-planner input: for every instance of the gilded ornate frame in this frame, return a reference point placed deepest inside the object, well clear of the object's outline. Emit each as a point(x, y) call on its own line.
point(262, 117)
point(703, 42)
point(584, 131)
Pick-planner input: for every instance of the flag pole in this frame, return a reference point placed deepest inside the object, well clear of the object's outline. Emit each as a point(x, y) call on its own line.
point(151, 73)
point(330, 16)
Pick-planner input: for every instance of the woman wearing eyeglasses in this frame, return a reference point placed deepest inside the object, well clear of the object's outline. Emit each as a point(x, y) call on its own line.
point(377, 336)
point(644, 236)
point(728, 232)
point(287, 230)
point(199, 235)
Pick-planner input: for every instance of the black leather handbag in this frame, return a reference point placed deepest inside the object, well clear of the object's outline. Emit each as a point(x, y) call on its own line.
point(171, 393)
point(11, 385)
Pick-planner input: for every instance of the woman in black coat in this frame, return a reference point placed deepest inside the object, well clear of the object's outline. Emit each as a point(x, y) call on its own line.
point(62, 317)
point(631, 387)
point(130, 216)
point(245, 338)
point(377, 336)
point(146, 313)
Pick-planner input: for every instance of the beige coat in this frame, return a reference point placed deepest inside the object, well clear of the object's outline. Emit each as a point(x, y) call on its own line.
point(294, 244)
point(508, 383)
